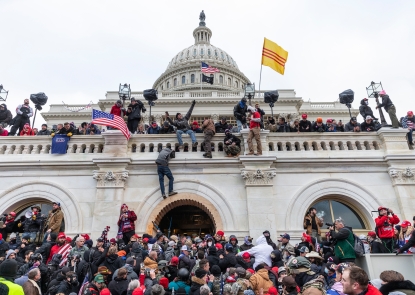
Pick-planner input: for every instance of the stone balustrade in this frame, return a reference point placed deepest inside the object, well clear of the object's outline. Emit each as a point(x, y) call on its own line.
point(273, 143)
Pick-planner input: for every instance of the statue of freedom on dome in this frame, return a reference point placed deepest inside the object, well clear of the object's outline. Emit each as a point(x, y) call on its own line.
point(202, 18)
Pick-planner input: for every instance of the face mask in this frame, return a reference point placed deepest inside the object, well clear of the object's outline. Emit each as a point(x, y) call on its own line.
point(209, 244)
point(366, 102)
point(326, 270)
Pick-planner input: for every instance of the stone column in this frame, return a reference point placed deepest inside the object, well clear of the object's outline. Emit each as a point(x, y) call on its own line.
point(258, 176)
point(111, 178)
point(401, 162)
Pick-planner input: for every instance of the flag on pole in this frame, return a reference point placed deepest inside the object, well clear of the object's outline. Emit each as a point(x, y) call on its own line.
point(207, 79)
point(274, 56)
point(208, 69)
point(103, 118)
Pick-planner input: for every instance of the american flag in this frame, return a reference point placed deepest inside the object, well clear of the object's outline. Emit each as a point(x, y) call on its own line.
point(208, 69)
point(103, 118)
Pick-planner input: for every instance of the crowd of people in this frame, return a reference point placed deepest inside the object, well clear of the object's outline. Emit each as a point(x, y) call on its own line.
point(180, 124)
point(49, 262)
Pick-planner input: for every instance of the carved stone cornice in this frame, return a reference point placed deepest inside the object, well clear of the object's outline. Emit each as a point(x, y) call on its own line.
point(402, 176)
point(110, 179)
point(258, 177)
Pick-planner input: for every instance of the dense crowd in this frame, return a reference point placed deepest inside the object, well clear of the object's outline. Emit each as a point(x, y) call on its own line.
point(180, 124)
point(39, 258)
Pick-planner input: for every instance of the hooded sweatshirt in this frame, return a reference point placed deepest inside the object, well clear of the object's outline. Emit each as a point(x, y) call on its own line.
point(5, 115)
point(365, 110)
point(261, 252)
point(27, 131)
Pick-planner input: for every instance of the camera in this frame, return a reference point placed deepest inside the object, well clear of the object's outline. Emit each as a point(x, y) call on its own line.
point(329, 225)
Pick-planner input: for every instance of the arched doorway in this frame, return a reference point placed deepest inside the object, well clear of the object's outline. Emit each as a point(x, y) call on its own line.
point(187, 220)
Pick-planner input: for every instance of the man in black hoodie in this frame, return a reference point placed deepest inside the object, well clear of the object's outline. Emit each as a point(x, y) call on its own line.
point(5, 115)
point(305, 125)
point(227, 260)
point(365, 110)
point(134, 114)
point(23, 114)
point(212, 257)
point(389, 107)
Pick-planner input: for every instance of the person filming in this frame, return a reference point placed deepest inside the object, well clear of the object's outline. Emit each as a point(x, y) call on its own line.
point(385, 223)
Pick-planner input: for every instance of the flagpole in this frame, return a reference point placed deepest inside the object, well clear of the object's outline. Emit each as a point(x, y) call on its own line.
point(259, 87)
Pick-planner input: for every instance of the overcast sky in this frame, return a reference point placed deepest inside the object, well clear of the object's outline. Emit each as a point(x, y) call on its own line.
point(75, 51)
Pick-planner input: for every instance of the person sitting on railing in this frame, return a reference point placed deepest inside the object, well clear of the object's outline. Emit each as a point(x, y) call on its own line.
point(154, 128)
point(221, 126)
point(305, 125)
point(239, 111)
point(352, 126)
point(167, 128)
point(330, 126)
point(282, 125)
point(295, 126)
point(340, 126)
point(196, 128)
point(182, 124)
point(3, 132)
point(232, 145)
point(27, 131)
point(271, 124)
point(368, 125)
point(408, 122)
point(44, 130)
point(5, 115)
point(318, 125)
point(93, 130)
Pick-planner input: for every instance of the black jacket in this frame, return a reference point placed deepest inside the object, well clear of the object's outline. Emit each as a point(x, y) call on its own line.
point(212, 258)
point(365, 110)
point(283, 128)
point(136, 109)
point(304, 125)
point(183, 123)
point(30, 225)
point(228, 260)
point(233, 139)
point(195, 287)
point(63, 130)
point(118, 286)
point(349, 127)
point(220, 128)
point(5, 115)
point(386, 102)
point(66, 288)
point(112, 262)
point(367, 127)
point(410, 243)
point(45, 250)
point(240, 112)
point(4, 247)
point(316, 128)
point(397, 286)
point(168, 130)
point(43, 132)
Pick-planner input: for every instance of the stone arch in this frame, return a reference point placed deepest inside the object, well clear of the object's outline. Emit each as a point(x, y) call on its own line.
point(32, 192)
point(190, 192)
point(351, 192)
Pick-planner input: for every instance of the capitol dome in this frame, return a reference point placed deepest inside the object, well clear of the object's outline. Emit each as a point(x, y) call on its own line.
point(183, 71)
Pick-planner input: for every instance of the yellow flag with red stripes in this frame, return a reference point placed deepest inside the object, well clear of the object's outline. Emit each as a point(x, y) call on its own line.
point(274, 56)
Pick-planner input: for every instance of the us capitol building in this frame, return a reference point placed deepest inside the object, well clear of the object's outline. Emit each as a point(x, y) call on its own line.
point(341, 174)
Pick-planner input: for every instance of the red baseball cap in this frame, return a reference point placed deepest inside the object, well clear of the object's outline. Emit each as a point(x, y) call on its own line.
point(220, 233)
point(61, 235)
point(304, 116)
point(371, 234)
point(85, 236)
point(219, 246)
point(174, 260)
point(405, 224)
point(246, 255)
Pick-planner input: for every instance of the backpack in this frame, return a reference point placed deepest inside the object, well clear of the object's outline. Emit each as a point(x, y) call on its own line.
point(359, 248)
point(52, 290)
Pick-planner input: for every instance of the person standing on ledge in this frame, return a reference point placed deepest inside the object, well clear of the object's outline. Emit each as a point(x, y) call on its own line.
point(208, 128)
point(389, 107)
point(254, 132)
point(163, 170)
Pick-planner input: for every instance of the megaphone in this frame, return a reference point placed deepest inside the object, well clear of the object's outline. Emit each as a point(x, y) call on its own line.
point(28, 214)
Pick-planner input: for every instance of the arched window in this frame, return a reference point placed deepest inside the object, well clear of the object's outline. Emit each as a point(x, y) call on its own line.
point(330, 210)
point(183, 79)
point(201, 51)
point(194, 52)
point(175, 82)
point(229, 81)
point(162, 88)
point(220, 79)
point(192, 78)
point(168, 85)
point(223, 56)
point(236, 84)
point(216, 53)
point(209, 52)
point(181, 56)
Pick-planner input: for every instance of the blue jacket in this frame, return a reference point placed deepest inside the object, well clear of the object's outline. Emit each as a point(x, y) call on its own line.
point(177, 285)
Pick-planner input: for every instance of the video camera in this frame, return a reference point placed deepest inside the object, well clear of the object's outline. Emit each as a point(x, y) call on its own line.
point(329, 225)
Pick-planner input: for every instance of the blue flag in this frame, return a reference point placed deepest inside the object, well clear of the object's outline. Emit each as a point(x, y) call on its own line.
point(60, 143)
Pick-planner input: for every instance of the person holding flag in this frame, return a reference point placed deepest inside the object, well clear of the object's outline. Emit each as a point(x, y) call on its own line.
point(102, 118)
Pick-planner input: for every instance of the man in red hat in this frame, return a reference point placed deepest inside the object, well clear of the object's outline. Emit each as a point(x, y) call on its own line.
point(305, 125)
point(126, 224)
point(219, 237)
point(385, 223)
point(60, 242)
point(8, 224)
point(408, 122)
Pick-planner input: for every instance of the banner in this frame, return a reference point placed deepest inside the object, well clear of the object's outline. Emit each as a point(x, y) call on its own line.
point(60, 143)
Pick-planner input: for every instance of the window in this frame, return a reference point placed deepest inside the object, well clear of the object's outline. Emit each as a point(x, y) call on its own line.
point(168, 85)
point(188, 53)
point(220, 79)
point(201, 51)
point(192, 78)
point(223, 56)
point(175, 82)
point(229, 81)
point(162, 88)
point(216, 53)
point(181, 56)
point(209, 52)
point(329, 210)
point(183, 79)
point(194, 52)
point(236, 84)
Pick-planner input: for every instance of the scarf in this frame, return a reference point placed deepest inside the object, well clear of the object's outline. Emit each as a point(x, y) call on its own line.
point(242, 104)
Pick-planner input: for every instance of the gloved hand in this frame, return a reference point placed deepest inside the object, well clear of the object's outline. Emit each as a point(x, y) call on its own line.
point(52, 134)
point(34, 217)
point(194, 101)
point(19, 224)
point(69, 134)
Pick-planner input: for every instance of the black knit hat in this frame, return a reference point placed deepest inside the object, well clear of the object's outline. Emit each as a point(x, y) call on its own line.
point(8, 269)
point(53, 237)
point(200, 273)
point(215, 270)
